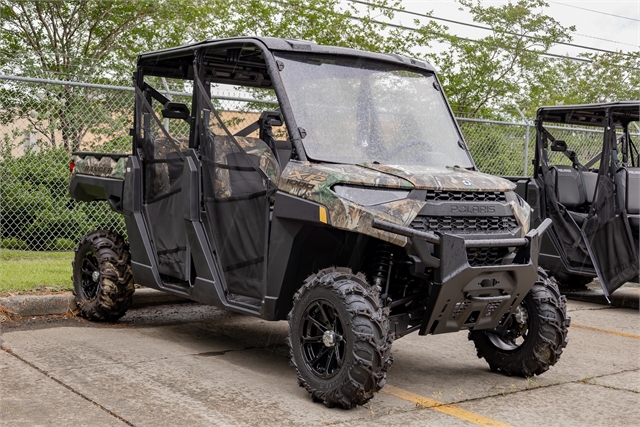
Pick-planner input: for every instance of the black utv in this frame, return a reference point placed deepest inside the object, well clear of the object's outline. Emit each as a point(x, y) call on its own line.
point(350, 207)
point(591, 190)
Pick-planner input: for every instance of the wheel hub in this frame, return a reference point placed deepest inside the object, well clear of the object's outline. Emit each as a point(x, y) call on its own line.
point(95, 276)
point(330, 338)
point(515, 333)
point(521, 315)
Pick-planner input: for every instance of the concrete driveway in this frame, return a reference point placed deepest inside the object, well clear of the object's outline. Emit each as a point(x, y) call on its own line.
point(193, 365)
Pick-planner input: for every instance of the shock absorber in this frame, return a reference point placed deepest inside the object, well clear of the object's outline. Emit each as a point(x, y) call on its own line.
point(381, 266)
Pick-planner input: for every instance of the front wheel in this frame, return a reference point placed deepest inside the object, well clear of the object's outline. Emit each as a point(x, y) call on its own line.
point(339, 338)
point(532, 338)
point(102, 278)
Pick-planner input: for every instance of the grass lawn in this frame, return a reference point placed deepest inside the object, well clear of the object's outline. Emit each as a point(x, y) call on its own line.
point(27, 271)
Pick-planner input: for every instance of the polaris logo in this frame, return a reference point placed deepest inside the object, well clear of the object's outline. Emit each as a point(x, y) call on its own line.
point(473, 209)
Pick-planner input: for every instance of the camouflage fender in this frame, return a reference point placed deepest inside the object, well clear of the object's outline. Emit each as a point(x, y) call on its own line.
point(313, 182)
point(105, 166)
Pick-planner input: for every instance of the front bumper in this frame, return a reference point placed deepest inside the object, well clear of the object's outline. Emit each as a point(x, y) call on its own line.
point(465, 297)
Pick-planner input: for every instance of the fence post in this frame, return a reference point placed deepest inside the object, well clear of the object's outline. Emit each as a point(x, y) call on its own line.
point(526, 142)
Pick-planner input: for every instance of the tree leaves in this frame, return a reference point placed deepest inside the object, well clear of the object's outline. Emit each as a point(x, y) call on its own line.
point(486, 74)
point(98, 40)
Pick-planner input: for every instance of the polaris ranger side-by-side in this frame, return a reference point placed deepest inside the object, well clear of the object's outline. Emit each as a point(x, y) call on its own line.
point(593, 197)
point(352, 208)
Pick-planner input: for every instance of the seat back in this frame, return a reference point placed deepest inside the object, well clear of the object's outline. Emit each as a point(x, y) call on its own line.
point(569, 189)
point(227, 153)
point(167, 164)
point(630, 180)
point(284, 151)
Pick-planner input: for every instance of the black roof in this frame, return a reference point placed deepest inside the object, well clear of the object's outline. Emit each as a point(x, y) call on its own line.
point(291, 45)
point(591, 114)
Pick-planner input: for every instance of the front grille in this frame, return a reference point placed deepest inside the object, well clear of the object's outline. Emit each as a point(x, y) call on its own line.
point(469, 224)
point(479, 257)
point(465, 196)
point(465, 224)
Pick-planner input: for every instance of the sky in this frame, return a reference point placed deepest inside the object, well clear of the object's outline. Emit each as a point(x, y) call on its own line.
point(621, 32)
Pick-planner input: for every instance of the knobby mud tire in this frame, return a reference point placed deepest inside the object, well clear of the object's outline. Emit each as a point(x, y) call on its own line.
point(546, 338)
point(113, 292)
point(367, 355)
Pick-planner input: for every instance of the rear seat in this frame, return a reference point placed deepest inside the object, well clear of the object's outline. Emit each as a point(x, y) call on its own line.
point(569, 191)
point(630, 179)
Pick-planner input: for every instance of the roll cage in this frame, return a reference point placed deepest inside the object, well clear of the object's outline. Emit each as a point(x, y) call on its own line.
point(245, 62)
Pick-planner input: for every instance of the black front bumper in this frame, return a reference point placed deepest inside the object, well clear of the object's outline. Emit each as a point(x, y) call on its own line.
point(465, 297)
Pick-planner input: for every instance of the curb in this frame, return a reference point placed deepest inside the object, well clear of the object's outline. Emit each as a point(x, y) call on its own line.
point(41, 305)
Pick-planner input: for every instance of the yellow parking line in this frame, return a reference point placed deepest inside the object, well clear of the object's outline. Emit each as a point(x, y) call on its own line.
point(590, 328)
point(450, 409)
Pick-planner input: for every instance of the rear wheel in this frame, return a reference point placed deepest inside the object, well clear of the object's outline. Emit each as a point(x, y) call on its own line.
point(339, 338)
point(102, 279)
point(532, 338)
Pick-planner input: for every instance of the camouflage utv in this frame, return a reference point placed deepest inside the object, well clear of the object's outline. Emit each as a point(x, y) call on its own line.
point(350, 207)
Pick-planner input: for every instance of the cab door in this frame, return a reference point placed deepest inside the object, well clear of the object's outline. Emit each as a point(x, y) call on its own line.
point(606, 230)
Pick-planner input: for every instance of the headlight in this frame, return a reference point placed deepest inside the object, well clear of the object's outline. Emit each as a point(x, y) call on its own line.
point(369, 196)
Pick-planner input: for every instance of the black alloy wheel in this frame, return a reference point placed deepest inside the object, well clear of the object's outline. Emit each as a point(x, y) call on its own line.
point(339, 338)
point(90, 275)
point(322, 339)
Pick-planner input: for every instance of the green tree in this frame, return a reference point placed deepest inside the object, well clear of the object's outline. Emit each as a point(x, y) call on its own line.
point(328, 22)
point(71, 40)
point(483, 76)
point(605, 77)
point(89, 39)
point(98, 40)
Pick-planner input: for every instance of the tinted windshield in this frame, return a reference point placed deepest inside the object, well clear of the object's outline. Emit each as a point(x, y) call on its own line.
point(355, 110)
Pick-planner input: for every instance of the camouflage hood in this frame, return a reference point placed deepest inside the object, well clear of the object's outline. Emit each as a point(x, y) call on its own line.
point(444, 178)
point(315, 182)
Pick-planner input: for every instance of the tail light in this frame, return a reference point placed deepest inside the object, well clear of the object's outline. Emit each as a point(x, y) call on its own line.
point(71, 166)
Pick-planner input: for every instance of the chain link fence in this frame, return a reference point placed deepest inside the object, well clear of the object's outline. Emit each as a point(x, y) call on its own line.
point(42, 122)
